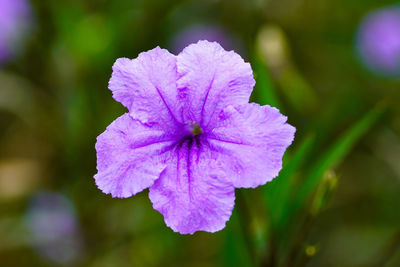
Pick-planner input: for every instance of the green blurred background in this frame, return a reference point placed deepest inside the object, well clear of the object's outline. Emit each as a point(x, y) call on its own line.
point(336, 202)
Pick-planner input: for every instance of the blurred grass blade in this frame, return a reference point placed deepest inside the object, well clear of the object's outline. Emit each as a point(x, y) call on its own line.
point(277, 193)
point(264, 91)
point(298, 91)
point(324, 192)
point(235, 251)
point(337, 152)
point(298, 256)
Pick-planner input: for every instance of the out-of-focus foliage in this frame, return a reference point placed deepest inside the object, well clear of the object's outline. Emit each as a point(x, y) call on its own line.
point(335, 203)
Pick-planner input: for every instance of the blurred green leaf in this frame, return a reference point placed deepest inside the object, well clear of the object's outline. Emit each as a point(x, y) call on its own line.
point(297, 90)
point(264, 91)
point(283, 188)
point(324, 192)
point(277, 193)
point(235, 251)
point(337, 152)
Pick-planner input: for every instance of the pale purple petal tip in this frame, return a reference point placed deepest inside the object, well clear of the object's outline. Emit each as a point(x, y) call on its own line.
point(147, 86)
point(212, 79)
point(129, 157)
point(194, 193)
point(253, 139)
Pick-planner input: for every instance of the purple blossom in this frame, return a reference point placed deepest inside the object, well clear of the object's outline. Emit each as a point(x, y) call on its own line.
point(190, 135)
point(378, 40)
point(15, 20)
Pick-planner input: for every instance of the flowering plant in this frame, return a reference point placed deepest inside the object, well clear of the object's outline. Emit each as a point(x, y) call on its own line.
point(190, 135)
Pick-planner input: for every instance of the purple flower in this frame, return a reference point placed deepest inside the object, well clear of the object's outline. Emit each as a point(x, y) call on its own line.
point(15, 20)
point(378, 41)
point(190, 135)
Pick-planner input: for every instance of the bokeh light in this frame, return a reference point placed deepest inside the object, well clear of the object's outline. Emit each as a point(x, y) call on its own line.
point(55, 231)
point(378, 41)
point(16, 21)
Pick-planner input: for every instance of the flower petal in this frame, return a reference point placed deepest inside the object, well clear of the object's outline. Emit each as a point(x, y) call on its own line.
point(253, 139)
point(211, 78)
point(147, 86)
point(193, 193)
point(130, 156)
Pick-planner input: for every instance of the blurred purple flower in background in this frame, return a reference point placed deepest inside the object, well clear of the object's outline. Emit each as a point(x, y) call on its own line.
point(211, 33)
point(15, 21)
point(378, 41)
point(55, 230)
point(190, 135)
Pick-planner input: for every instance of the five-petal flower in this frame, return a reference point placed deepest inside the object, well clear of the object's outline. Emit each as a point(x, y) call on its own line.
point(190, 135)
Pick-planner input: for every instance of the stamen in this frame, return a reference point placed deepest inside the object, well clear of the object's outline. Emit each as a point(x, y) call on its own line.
point(194, 128)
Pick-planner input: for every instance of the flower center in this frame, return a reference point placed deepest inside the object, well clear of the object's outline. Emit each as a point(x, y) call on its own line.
point(194, 128)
